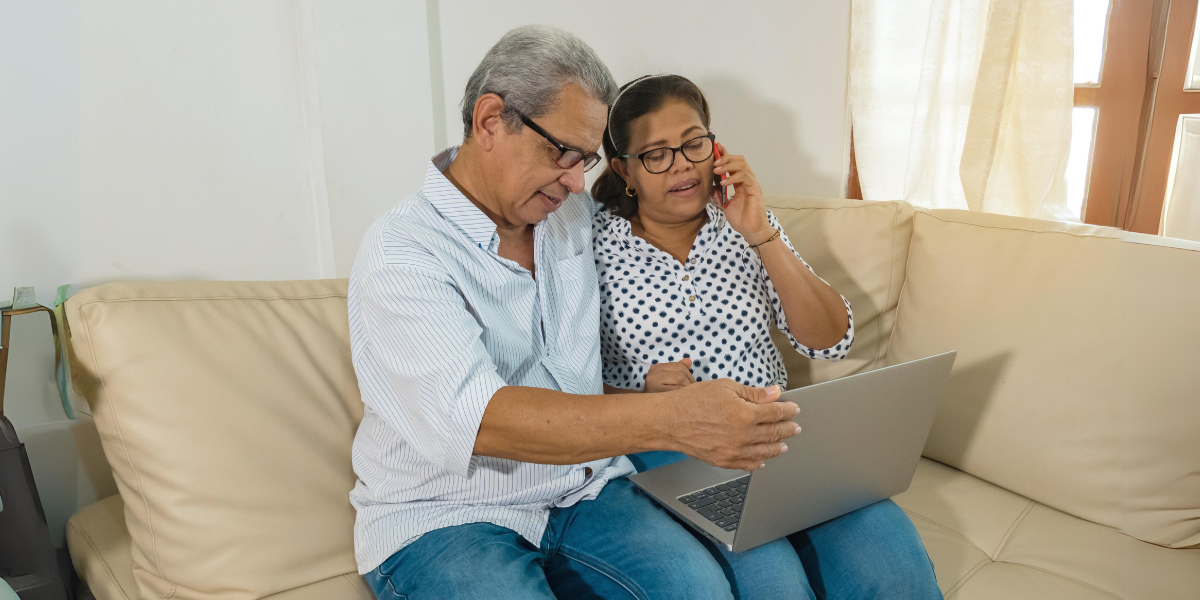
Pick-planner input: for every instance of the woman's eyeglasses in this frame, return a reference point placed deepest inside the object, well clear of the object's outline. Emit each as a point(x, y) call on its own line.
point(659, 160)
point(568, 157)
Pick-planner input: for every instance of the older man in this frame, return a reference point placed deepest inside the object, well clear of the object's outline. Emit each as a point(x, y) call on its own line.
point(485, 455)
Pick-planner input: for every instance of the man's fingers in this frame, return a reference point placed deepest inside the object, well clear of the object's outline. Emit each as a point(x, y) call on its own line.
point(759, 395)
point(775, 412)
point(774, 432)
point(762, 452)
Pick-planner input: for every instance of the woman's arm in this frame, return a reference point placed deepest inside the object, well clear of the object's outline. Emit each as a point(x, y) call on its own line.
point(815, 312)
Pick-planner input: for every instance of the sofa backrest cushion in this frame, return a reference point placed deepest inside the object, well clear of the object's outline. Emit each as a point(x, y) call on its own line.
point(227, 412)
point(1077, 382)
point(860, 249)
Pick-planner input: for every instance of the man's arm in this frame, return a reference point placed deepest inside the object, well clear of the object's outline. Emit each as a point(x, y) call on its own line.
point(433, 381)
point(720, 422)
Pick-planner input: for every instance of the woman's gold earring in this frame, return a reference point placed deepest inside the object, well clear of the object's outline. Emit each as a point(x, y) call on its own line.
point(629, 192)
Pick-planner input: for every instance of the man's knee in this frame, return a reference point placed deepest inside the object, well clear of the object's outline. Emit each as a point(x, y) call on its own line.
point(475, 560)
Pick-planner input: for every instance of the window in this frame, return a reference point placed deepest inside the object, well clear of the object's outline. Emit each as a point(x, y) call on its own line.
point(1134, 160)
point(1139, 101)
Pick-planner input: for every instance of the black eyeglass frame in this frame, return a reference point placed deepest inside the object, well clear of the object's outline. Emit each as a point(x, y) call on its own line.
point(677, 150)
point(590, 159)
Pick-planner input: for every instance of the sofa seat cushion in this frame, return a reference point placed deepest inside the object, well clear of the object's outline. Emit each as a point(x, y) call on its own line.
point(987, 542)
point(100, 550)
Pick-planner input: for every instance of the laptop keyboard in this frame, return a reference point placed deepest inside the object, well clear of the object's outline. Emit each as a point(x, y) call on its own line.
point(721, 503)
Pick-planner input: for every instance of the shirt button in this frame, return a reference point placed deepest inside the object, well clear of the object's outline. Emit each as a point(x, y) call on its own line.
point(685, 277)
point(691, 298)
point(693, 261)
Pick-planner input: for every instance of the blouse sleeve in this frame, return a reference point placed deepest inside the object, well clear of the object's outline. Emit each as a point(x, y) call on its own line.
point(839, 350)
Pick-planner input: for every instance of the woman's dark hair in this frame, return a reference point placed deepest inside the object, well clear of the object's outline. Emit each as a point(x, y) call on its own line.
point(636, 98)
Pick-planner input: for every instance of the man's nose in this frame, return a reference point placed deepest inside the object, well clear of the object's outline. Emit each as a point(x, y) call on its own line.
point(573, 178)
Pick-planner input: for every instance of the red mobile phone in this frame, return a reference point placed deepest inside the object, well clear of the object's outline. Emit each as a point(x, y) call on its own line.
point(717, 180)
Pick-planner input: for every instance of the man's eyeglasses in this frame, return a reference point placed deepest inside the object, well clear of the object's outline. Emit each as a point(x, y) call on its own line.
point(568, 157)
point(659, 160)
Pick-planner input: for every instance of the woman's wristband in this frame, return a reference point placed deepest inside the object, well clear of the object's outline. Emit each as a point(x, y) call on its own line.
point(766, 241)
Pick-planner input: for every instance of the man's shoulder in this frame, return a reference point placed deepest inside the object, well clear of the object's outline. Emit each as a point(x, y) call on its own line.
point(396, 236)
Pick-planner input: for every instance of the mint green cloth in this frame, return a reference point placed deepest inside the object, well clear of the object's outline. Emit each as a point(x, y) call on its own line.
point(6, 592)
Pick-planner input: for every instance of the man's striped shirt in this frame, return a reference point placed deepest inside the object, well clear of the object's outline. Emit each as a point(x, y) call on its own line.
point(438, 323)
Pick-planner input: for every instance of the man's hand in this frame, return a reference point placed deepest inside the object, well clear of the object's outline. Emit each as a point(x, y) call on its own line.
point(664, 377)
point(730, 425)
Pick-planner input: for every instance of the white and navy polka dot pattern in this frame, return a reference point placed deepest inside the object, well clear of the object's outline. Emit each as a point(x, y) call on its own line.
point(716, 308)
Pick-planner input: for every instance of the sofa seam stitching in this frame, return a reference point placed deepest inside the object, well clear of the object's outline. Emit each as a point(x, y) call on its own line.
point(1078, 235)
point(883, 350)
point(951, 531)
point(125, 449)
point(87, 537)
point(1012, 528)
point(1064, 576)
point(966, 577)
point(887, 355)
point(189, 298)
point(340, 577)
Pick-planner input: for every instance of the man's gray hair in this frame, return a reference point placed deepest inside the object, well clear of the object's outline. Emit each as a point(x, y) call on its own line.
point(528, 67)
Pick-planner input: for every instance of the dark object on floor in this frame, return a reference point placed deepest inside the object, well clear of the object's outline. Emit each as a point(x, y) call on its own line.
point(27, 559)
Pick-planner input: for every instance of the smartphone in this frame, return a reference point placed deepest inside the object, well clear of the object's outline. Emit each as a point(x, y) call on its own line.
point(723, 195)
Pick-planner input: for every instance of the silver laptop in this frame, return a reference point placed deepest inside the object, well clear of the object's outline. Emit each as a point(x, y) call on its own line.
point(862, 436)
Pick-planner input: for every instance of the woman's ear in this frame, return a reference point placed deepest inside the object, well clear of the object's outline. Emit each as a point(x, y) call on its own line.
point(618, 165)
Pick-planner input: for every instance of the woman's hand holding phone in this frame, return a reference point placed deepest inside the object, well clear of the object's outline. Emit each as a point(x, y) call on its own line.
point(745, 208)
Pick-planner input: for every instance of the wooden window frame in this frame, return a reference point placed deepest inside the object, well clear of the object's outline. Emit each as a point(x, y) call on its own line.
point(1166, 99)
point(1138, 102)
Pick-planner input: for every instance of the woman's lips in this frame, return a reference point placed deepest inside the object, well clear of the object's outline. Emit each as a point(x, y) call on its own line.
point(686, 188)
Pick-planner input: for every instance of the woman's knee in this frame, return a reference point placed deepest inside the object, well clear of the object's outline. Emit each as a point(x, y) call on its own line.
point(874, 550)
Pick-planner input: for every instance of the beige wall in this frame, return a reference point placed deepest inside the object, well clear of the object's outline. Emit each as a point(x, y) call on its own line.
point(170, 139)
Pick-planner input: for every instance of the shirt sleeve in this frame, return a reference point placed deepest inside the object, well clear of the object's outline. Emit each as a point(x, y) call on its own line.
point(839, 350)
point(429, 374)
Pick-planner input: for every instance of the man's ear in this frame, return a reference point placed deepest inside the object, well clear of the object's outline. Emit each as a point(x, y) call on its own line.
point(486, 121)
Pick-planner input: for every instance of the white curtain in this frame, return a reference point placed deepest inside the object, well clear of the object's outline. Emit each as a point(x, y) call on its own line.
point(963, 103)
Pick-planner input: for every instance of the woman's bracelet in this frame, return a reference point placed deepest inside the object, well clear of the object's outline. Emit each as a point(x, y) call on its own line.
point(770, 239)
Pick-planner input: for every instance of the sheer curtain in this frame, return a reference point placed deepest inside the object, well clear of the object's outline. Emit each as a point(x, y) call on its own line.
point(963, 103)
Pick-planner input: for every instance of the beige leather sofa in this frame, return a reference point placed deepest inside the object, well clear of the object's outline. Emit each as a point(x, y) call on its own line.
point(1064, 462)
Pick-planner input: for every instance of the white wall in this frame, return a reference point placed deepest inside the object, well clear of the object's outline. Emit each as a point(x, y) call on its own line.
point(774, 72)
point(170, 139)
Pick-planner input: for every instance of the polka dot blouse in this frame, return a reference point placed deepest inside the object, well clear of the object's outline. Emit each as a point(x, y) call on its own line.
point(717, 308)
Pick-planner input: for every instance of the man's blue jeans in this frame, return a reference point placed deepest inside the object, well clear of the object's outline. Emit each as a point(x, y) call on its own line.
point(623, 545)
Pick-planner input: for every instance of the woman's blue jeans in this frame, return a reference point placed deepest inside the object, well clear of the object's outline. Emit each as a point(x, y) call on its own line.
point(623, 545)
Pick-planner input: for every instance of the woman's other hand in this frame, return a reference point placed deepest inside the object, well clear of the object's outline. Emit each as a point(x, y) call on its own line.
point(664, 377)
point(746, 211)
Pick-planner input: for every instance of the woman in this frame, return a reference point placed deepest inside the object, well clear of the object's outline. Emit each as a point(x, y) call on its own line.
point(690, 285)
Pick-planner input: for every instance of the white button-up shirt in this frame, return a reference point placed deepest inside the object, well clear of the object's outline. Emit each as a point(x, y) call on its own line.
point(438, 323)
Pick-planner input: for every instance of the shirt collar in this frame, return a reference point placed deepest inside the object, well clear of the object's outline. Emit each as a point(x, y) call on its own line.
point(454, 206)
point(619, 228)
